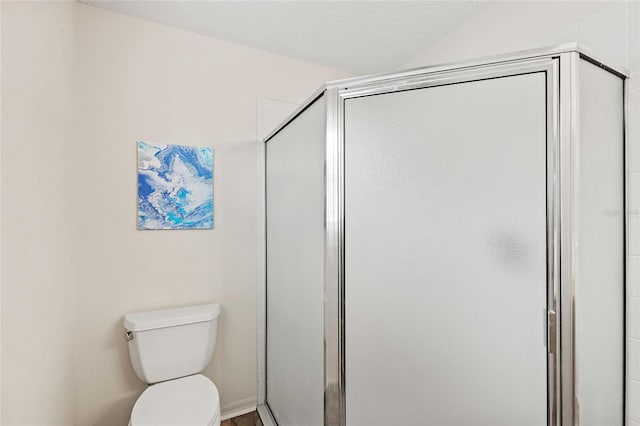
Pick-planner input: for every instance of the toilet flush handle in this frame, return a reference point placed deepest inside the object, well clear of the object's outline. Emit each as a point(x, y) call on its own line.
point(128, 335)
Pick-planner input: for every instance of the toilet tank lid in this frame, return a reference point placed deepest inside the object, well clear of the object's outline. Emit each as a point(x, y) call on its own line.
point(162, 318)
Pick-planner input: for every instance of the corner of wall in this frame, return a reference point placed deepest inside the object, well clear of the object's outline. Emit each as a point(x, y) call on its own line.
point(633, 179)
point(38, 306)
point(504, 27)
point(0, 212)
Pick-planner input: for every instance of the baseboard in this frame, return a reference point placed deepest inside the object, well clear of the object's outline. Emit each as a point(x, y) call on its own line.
point(238, 408)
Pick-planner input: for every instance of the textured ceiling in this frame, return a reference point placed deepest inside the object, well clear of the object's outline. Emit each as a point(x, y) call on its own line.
point(356, 36)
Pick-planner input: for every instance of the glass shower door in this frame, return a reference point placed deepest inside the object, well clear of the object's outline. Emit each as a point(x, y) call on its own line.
point(295, 247)
point(445, 255)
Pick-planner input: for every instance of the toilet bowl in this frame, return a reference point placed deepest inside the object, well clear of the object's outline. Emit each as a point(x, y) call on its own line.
point(168, 348)
point(188, 401)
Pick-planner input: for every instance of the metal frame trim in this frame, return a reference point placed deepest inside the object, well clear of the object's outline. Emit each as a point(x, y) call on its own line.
point(447, 67)
point(296, 112)
point(553, 238)
point(595, 58)
point(567, 268)
point(443, 78)
point(266, 417)
point(551, 51)
point(334, 391)
point(602, 65)
point(336, 411)
point(627, 213)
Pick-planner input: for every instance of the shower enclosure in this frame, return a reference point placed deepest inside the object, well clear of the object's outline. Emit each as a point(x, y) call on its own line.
point(446, 246)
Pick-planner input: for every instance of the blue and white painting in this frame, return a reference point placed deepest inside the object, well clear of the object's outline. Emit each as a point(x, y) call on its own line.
point(175, 187)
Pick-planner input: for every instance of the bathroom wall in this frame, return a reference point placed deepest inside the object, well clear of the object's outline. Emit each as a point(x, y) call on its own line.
point(38, 215)
point(141, 80)
point(503, 27)
point(609, 29)
point(80, 86)
point(83, 85)
point(0, 215)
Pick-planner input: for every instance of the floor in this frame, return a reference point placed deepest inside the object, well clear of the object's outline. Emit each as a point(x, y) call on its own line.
point(249, 419)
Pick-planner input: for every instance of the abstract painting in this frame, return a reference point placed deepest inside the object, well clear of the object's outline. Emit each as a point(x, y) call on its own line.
point(175, 187)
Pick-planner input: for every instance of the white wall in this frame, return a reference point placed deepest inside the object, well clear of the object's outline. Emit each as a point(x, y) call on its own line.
point(507, 26)
point(144, 81)
point(38, 215)
point(609, 29)
point(0, 216)
point(83, 85)
point(79, 87)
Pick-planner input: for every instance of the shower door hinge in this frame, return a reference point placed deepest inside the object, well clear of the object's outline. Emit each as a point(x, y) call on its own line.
point(551, 332)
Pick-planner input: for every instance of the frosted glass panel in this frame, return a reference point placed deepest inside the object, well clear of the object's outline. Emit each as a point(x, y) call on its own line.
point(445, 263)
point(295, 230)
point(600, 250)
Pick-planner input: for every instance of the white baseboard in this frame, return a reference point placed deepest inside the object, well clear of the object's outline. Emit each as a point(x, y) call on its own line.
point(238, 408)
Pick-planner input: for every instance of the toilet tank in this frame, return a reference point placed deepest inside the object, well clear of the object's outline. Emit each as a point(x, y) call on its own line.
point(171, 343)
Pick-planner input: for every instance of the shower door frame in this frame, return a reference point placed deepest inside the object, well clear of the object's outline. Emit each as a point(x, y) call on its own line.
point(560, 64)
point(560, 68)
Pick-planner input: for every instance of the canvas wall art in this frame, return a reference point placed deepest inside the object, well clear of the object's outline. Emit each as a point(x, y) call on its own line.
point(175, 187)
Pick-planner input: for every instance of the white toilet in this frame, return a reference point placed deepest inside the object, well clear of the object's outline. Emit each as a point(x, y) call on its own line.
point(168, 348)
